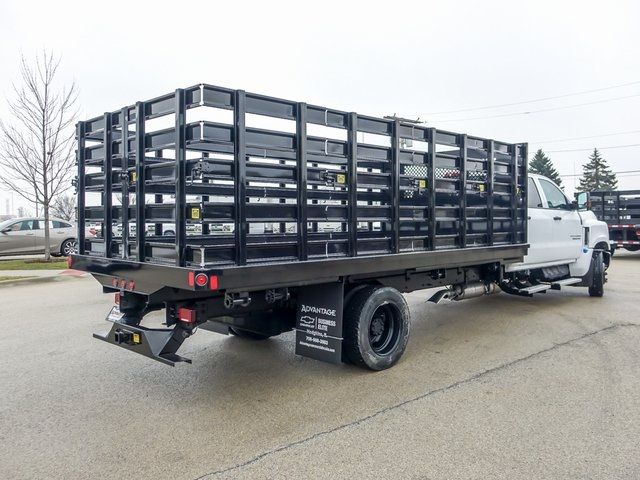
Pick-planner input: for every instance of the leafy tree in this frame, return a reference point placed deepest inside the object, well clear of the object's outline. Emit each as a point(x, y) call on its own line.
point(597, 175)
point(542, 165)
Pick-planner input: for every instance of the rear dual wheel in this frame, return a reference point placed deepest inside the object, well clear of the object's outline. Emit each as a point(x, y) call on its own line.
point(376, 327)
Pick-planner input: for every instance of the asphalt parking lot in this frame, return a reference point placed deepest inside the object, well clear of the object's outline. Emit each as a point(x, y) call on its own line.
point(495, 387)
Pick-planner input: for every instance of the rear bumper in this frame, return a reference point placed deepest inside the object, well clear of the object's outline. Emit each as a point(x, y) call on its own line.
point(157, 343)
point(148, 278)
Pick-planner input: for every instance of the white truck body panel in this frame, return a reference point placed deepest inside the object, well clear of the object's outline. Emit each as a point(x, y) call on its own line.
point(557, 233)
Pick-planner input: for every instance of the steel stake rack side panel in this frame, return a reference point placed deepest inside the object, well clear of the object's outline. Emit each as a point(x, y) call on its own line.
point(620, 209)
point(213, 177)
point(616, 207)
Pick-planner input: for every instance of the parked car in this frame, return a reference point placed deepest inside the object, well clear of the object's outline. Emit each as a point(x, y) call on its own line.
point(20, 236)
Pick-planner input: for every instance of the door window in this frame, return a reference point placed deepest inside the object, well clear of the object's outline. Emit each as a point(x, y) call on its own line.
point(59, 224)
point(555, 197)
point(533, 199)
point(25, 225)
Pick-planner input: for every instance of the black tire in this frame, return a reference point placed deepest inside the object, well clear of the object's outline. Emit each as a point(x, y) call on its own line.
point(69, 246)
point(247, 334)
point(632, 248)
point(596, 289)
point(376, 328)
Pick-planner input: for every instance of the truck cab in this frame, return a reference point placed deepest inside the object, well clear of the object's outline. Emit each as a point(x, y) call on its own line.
point(564, 237)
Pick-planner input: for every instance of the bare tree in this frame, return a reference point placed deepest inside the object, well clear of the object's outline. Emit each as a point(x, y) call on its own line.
point(37, 143)
point(64, 206)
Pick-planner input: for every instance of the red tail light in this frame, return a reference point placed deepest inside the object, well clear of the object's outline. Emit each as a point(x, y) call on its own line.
point(186, 315)
point(202, 279)
point(116, 298)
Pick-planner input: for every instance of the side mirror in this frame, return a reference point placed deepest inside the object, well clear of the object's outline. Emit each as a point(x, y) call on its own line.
point(573, 205)
point(582, 200)
point(6, 230)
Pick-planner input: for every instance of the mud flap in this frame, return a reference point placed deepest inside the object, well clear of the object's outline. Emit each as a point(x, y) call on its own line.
point(319, 322)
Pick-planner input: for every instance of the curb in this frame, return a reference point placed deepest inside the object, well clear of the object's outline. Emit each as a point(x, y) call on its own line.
point(52, 278)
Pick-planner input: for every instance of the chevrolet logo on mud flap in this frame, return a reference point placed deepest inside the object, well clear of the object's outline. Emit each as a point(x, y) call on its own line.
point(306, 321)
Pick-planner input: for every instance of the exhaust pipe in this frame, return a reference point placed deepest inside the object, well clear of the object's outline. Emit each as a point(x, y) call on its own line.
point(464, 292)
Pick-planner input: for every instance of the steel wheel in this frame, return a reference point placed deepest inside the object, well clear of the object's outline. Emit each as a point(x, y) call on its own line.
point(383, 330)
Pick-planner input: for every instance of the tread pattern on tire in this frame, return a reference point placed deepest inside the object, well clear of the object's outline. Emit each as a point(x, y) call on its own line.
point(352, 329)
point(596, 289)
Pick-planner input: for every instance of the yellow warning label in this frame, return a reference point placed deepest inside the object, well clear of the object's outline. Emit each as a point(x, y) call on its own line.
point(134, 176)
point(341, 178)
point(481, 187)
point(135, 338)
point(195, 213)
point(422, 184)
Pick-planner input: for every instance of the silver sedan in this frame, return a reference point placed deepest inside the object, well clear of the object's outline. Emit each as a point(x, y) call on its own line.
point(19, 236)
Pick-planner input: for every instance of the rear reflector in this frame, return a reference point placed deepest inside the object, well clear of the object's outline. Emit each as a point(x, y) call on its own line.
point(116, 298)
point(191, 279)
point(186, 315)
point(213, 282)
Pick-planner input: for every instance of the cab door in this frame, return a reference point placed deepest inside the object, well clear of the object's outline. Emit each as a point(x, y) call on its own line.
point(566, 230)
point(539, 227)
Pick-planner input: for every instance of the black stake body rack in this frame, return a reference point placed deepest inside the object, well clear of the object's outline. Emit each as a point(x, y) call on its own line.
point(616, 207)
point(213, 177)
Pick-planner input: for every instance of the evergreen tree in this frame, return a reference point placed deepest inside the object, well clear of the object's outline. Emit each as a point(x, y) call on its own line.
point(542, 165)
point(597, 175)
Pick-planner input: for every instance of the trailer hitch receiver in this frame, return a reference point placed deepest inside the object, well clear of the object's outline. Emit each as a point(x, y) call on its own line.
point(160, 344)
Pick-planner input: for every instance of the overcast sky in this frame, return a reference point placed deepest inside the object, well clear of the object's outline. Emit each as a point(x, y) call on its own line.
point(378, 58)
